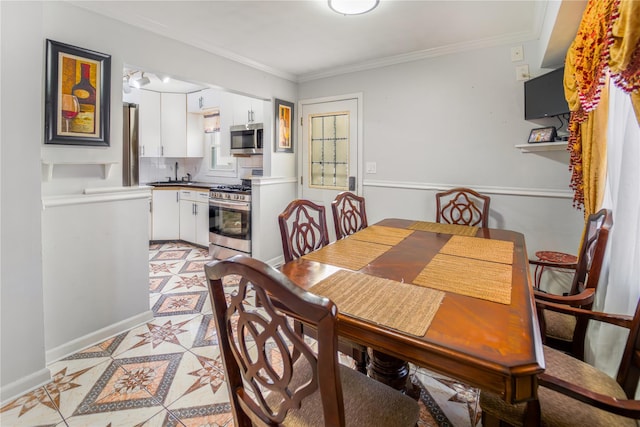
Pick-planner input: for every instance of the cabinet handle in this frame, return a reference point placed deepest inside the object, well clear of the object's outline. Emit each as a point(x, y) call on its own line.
point(162, 150)
point(142, 147)
point(177, 197)
point(200, 103)
point(195, 209)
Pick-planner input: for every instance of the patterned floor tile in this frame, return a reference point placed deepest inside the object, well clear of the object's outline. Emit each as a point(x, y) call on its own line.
point(180, 303)
point(207, 415)
point(161, 335)
point(157, 283)
point(171, 255)
point(196, 266)
point(32, 409)
point(198, 379)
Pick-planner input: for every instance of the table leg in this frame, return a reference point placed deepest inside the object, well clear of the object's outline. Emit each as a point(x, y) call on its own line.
point(393, 372)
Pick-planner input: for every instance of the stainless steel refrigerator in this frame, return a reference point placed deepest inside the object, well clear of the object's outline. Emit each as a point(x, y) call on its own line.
point(130, 145)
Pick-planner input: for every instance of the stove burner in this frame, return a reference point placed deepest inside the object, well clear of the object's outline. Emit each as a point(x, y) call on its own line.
point(234, 188)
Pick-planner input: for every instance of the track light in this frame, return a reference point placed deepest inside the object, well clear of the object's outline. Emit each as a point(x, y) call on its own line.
point(126, 87)
point(142, 81)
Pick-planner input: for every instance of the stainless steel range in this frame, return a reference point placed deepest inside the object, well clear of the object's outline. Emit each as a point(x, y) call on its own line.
point(229, 220)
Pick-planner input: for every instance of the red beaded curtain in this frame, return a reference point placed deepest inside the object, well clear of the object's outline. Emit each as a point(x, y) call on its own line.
point(607, 45)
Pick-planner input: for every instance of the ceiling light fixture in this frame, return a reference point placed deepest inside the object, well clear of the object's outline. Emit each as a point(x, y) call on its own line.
point(353, 7)
point(142, 81)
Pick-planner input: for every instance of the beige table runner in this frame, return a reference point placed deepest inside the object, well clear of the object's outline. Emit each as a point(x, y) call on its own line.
point(478, 248)
point(380, 234)
point(400, 306)
point(465, 276)
point(348, 253)
point(436, 227)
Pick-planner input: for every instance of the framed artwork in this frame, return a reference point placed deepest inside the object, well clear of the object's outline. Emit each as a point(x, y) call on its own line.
point(547, 134)
point(77, 96)
point(284, 126)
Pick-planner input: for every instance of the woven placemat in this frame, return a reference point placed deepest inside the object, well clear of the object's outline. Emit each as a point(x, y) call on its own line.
point(397, 305)
point(348, 253)
point(381, 234)
point(436, 227)
point(479, 248)
point(465, 276)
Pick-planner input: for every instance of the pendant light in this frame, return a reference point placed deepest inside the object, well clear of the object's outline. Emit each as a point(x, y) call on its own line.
point(353, 7)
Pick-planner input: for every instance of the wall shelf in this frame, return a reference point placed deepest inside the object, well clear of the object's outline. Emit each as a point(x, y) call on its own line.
point(542, 146)
point(49, 165)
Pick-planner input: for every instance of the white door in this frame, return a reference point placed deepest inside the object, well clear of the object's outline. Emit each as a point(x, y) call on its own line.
point(330, 150)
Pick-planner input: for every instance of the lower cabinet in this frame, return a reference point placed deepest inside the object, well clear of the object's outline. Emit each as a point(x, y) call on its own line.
point(165, 214)
point(194, 217)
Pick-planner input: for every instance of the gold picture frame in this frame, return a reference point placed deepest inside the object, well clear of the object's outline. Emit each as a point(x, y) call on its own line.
point(284, 115)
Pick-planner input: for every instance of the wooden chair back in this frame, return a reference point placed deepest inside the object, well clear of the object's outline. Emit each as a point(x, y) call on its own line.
point(263, 353)
point(592, 250)
point(349, 214)
point(303, 228)
point(462, 206)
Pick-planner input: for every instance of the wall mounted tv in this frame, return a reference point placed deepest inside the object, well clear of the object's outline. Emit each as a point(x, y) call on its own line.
point(544, 96)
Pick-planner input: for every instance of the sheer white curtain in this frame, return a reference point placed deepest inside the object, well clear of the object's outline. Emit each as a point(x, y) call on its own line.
point(619, 286)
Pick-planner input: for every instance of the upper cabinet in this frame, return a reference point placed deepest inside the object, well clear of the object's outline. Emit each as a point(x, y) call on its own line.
point(149, 124)
point(247, 110)
point(173, 122)
point(165, 130)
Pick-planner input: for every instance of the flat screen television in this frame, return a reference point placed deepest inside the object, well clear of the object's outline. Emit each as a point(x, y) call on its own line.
point(544, 96)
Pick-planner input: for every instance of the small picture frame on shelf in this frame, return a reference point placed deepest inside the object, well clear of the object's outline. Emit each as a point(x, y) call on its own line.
point(77, 96)
point(547, 134)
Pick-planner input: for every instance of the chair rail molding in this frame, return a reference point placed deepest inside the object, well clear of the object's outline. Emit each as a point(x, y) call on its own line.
point(509, 191)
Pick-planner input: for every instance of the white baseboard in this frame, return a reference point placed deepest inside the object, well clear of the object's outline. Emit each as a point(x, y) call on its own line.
point(24, 385)
point(74, 346)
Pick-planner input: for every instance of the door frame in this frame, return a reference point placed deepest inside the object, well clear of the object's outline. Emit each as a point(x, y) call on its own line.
point(358, 96)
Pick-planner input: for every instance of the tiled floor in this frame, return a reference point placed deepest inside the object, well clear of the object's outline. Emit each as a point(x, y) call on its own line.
point(168, 372)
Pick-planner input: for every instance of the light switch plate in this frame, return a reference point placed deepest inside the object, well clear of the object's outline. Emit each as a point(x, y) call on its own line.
point(371, 167)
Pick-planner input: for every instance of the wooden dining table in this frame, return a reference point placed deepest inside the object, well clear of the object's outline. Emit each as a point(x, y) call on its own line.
point(456, 300)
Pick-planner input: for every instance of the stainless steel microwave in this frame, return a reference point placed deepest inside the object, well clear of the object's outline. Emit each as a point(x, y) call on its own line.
point(246, 139)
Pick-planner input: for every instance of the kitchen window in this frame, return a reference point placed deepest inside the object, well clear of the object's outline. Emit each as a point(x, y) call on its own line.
point(219, 165)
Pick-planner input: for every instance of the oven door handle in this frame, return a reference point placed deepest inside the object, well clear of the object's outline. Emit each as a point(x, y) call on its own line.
point(232, 205)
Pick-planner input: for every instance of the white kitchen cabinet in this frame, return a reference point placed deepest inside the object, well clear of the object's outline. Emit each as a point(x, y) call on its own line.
point(165, 127)
point(194, 216)
point(203, 100)
point(165, 214)
point(149, 124)
point(247, 110)
point(173, 122)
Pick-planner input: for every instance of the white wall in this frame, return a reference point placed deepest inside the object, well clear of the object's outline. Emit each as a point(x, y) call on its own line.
point(454, 120)
point(21, 85)
point(26, 245)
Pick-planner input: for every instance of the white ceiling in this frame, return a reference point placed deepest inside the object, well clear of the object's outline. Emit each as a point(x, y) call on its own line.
point(303, 39)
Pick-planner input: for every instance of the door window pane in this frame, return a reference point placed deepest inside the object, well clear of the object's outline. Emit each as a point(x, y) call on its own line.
point(329, 153)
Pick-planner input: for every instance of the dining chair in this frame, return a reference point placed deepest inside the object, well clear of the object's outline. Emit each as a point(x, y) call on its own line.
point(274, 376)
point(565, 332)
point(303, 229)
point(572, 392)
point(349, 214)
point(462, 206)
